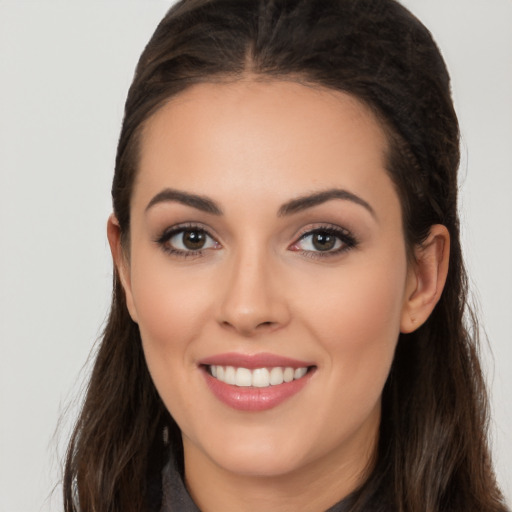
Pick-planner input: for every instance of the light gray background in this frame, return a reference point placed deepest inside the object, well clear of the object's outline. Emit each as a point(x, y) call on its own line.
point(65, 67)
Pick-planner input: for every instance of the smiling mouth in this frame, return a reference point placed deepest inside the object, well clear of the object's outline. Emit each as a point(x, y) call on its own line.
point(257, 377)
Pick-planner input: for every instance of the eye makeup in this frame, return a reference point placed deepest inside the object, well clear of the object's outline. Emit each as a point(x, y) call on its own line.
point(186, 240)
point(192, 240)
point(324, 241)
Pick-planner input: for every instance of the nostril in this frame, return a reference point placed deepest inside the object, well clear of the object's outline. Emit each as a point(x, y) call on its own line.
point(249, 329)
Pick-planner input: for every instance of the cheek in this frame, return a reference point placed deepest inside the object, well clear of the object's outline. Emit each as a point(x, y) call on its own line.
point(171, 308)
point(357, 320)
point(171, 311)
point(164, 312)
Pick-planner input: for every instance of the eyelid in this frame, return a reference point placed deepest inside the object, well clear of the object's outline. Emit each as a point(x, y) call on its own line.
point(183, 226)
point(348, 240)
point(315, 227)
point(168, 233)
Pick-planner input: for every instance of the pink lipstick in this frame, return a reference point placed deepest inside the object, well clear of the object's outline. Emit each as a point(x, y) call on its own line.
point(255, 382)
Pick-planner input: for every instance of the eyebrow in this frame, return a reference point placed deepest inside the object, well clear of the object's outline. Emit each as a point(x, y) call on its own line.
point(308, 201)
point(195, 201)
point(299, 204)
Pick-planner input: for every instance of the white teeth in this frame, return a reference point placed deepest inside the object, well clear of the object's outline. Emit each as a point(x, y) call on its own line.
point(258, 378)
point(299, 373)
point(243, 377)
point(288, 374)
point(230, 375)
point(276, 376)
point(261, 378)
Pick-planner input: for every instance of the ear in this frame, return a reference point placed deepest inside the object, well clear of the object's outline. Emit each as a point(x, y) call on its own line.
point(121, 263)
point(426, 279)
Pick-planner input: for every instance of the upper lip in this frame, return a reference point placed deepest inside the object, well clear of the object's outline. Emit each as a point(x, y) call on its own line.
point(253, 361)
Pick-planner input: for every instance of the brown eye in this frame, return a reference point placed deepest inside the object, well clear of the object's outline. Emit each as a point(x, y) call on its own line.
point(324, 241)
point(193, 239)
point(187, 241)
point(328, 241)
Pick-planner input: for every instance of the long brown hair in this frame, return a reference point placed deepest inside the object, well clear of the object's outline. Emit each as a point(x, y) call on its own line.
point(433, 454)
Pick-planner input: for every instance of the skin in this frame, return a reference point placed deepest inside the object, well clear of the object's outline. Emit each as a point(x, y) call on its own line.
point(252, 146)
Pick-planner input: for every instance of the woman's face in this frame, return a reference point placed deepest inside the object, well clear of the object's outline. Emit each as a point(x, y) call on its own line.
point(266, 248)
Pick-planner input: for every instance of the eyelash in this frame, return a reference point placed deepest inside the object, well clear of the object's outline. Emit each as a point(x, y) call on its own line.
point(347, 240)
point(169, 233)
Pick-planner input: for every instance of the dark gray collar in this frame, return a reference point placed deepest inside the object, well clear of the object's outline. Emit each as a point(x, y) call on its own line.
point(175, 497)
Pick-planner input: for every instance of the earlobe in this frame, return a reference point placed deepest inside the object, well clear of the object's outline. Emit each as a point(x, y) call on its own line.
point(121, 262)
point(426, 278)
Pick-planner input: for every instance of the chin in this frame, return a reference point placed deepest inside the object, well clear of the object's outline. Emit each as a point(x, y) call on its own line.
point(258, 463)
point(256, 453)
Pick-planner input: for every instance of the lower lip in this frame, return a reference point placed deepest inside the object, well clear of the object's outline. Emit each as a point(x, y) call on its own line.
point(255, 399)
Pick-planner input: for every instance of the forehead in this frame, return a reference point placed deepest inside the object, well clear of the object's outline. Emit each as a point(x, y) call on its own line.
point(272, 139)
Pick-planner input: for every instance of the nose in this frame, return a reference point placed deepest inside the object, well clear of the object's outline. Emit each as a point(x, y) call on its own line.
point(253, 299)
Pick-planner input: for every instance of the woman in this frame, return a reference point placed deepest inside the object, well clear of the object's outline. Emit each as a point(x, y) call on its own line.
point(286, 330)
